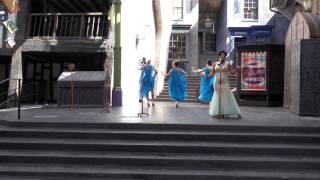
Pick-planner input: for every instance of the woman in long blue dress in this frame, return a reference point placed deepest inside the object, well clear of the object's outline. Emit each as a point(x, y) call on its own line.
point(206, 83)
point(223, 102)
point(177, 83)
point(148, 74)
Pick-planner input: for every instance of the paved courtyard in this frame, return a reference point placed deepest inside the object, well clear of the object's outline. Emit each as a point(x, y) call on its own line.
point(164, 112)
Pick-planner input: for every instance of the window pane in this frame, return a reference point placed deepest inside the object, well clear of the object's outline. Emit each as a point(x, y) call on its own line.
point(250, 10)
point(178, 46)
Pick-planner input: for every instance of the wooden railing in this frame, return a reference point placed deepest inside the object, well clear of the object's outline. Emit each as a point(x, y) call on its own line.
point(68, 25)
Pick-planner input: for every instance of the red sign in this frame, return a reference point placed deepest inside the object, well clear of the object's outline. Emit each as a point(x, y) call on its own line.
point(253, 71)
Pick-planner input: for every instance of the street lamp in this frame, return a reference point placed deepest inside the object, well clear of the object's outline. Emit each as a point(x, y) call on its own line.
point(209, 23)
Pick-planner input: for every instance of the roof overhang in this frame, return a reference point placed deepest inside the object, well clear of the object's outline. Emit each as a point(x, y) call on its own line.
point(76, 6)
point(180, 29)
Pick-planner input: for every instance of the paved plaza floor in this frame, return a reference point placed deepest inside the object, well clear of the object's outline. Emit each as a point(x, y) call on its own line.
point(163, 112)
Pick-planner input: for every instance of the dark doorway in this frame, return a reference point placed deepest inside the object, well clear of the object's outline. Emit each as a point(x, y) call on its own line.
point(41, 71)
point(5, 64)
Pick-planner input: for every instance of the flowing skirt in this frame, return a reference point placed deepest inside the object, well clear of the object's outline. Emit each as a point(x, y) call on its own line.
point(206, 89)
point(223, 101)
point(177, 88)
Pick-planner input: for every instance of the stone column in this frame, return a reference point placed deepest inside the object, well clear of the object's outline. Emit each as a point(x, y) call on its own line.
point(117, 91)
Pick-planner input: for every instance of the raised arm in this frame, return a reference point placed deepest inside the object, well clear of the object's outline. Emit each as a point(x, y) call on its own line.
point(232, 70)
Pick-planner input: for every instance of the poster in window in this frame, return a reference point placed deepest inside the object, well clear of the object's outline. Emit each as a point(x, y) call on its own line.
point(253, 71)
point(10, 25)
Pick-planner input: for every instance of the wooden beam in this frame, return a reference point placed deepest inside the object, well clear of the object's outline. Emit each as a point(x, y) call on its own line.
point(89, 5)
point(58, 6)
point(79, 6)
point(105, 5)
point(71, 6)
point(45, 3)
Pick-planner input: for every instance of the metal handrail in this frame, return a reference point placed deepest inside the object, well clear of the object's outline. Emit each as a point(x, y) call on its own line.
point(8, 79)
point(19, 94)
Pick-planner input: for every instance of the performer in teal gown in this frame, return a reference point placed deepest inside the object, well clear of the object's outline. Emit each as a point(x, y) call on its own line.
point(206, 83)
point(223, 102)
point(148, 74)
point(177, 83)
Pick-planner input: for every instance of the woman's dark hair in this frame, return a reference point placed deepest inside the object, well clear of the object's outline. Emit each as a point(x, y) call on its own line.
point(176, 63)
point(222, 52)
point(209, 62)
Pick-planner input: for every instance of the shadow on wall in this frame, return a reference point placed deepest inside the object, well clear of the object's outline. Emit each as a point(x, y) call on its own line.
point(191, 5)
point(280, 27)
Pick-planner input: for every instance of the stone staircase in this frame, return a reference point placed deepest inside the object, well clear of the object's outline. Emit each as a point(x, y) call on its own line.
point(84, 151)
point(193, 83)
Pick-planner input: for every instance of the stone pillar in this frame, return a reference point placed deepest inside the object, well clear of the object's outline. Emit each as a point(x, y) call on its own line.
point(21, 19)
point(305, 77)
point(158, 28)
point(117, 91)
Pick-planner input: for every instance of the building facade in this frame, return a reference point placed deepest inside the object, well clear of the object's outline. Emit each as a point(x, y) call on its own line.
point(301, 83)
point(244, 22)
point(51, 35)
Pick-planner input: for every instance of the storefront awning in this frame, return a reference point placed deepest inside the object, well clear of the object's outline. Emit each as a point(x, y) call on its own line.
point(180, 29)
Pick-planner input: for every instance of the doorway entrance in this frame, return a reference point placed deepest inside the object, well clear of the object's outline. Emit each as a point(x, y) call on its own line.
point(5, 65)
point(41, 71)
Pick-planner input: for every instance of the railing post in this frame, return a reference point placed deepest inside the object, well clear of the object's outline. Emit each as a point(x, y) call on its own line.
point(29, 25)
point(81, 26)
point(19, 98)
point(55, 26)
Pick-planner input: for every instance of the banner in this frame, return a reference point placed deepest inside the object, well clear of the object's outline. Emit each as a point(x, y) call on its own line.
point(10, 25)
point(253, 71)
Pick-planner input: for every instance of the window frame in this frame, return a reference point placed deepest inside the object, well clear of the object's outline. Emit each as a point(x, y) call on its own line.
point(181, 52)
point(204, 43)
point(243, 11)
point(174, 7)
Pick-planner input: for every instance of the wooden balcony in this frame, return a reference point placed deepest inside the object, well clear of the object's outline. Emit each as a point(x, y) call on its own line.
point(68, 26)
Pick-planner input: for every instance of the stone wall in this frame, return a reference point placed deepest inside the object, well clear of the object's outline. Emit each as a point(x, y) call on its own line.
point(305, 77)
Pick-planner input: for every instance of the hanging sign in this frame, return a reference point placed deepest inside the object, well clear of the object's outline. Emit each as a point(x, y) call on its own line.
point(10, 25)
point(10, 41)
point(253, 71)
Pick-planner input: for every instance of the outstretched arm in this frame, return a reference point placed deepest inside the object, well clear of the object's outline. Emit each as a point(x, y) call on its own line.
point(197, 70)
point(183, 72)
point(166, 74)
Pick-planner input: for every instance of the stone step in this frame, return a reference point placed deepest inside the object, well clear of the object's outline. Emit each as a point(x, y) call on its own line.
point(166, 93)
point(208, 136)
point(62, 171)
point(165, 146)
point(167, 96)
point(167, 99)
point(180, 127)
point(167, 160)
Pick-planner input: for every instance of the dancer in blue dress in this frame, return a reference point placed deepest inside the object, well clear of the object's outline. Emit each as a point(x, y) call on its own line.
point(206, 83)
point(148, 74)
point(223, 102)
point(177, 83)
